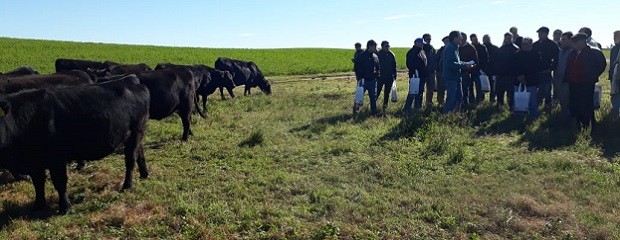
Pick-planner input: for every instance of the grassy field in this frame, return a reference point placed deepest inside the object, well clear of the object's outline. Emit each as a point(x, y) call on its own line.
point(297, 165)
point(41, 55)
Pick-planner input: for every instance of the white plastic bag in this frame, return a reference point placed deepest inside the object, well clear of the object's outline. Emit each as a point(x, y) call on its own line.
point(359, 93)
point(485, 84)
point(522, 99)
point(394, 92)
point(598, 93)
point(414, 84)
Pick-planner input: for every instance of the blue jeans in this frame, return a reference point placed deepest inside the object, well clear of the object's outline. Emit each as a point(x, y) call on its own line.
point(371, 87)
point(479, 93)
point(468, 93)
point(545, 80)
point(454, 95)
point(533, 104)
point(415, 97)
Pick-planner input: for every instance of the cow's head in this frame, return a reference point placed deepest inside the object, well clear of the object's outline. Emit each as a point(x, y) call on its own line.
point(95, 74)
point(265, 86)
point(227, 79)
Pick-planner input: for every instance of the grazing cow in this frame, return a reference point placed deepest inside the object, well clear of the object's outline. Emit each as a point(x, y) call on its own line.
point(20, 71)
point(84, 65)
point(172, 90)
point(128, 69)
point(245, 73)
point(44, 129)
point(15, 84)
point(209, 79)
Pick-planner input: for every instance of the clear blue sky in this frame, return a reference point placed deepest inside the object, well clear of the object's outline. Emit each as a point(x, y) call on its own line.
point(295, 23)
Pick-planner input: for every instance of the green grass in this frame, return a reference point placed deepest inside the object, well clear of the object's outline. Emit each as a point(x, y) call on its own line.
point(297, 165)
point(41, 54)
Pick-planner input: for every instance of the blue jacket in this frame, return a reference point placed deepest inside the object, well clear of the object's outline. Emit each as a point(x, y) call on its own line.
point(451, 63)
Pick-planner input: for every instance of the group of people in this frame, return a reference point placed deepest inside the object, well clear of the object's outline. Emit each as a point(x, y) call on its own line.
point(560, 71)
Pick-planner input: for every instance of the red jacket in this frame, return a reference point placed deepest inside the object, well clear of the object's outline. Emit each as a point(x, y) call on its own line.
point(585, 66)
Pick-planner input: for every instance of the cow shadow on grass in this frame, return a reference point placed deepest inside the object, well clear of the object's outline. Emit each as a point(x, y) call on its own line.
point(13, 211)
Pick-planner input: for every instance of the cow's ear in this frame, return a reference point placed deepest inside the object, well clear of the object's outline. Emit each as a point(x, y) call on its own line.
point(5, 107)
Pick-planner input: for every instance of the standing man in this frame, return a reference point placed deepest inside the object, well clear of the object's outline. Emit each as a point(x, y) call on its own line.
point(560, 84)
point(590, 41)
point(516, 39)
point(613, 60)
point(483, 57)
point(368, 70)
point(431, 81)
point(451, 73)
point(358, 51)
point(441, 87)
point(417, 61)
point(548, 51)
point(387, 61)
point(527, 64)
point(490, 67)
point(557, 34)
point(505, 70)
point(585, 65)
point(468, 54)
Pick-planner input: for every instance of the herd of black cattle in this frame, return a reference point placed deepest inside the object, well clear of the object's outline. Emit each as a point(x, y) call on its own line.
point(87, 109)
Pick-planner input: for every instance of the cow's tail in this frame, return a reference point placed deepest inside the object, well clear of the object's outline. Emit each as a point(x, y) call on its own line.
point(197, 106)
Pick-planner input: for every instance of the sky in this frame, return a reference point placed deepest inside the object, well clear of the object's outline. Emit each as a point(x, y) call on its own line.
point(296, 23)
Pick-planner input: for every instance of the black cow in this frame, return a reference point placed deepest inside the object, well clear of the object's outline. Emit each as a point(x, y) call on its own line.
point(20, 71)
point(15, 84)
point(129, 68)
point(209, 79)
point(45, 129)
point(245, 73)
point(172, 90)
point(63, 64)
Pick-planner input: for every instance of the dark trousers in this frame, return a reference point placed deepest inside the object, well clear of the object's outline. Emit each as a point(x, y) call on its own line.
point(581, 102)
point(468, 88)
point(505, 87)
point(479, 96)
point(388, 89)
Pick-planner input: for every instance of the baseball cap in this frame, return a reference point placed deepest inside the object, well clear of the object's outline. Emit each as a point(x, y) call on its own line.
point(543, 29)
point(419, 40)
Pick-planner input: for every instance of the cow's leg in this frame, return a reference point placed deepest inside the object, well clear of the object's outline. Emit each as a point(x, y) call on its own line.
point(230, 91)
point(197, 106)
point(185, 112)
point(144, 172)
point(58, 175)
point(131, 146)
point(80, 165)
point(246, 92)
point(204, 104)
point(222, 93)
point(38, 181)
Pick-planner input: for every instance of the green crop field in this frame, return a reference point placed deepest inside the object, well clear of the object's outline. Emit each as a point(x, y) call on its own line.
point(297, 165)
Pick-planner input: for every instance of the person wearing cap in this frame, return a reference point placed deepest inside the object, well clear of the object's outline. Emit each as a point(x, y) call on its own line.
point(505, 68)
point(441, 87)
point(560, 84)
point(483, 57)
point(557, 34)
point(527, 65)
point(613, 60)
point(590, 41)
point(548, 51)
point(489, 69)
point(387, 61)
point(451, 72)
point(431, 81)
point(585, 65)
point(368, 70)
point(417, 61)
point(468, 54)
